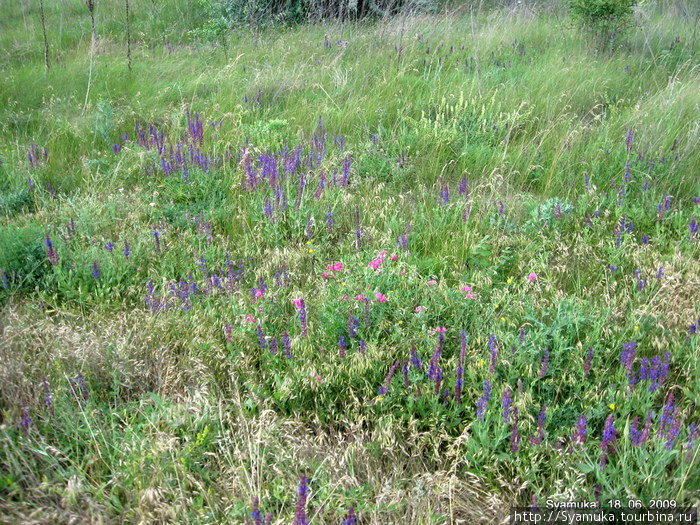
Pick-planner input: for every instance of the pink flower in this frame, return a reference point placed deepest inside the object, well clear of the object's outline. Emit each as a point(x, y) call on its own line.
point(318, 378)
point(258, 293)
point(394, 257)
point(532, 277)
point(343, 298)
point(382, 254)
point(326, 275)
point(440, 329)
point(299, 303)
point(248, 318)
point(380, 297)
point(418, 309)
point(374, 264)
point(335, 267)
point(402, 272)
point(432, 282)
point(467, 289)
point(360, 297)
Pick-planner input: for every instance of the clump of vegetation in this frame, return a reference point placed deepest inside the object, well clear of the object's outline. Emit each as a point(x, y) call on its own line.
point(605, 20)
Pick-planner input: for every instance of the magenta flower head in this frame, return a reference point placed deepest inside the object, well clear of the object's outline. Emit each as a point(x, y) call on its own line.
point(381, 297)
point(532, 277)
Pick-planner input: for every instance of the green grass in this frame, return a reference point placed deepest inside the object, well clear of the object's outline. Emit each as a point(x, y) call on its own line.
point(183, 423)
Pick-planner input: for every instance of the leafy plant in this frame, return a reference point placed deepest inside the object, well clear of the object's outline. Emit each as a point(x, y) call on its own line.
point(605, 20)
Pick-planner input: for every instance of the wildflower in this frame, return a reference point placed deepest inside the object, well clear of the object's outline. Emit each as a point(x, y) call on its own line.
point(363, 347)
point(627, 355)
point(156, 237)
point(415, 359)
point(539, 437)
point(127, 250)
point(262, 340)
point(300, 514)
point(381, 297)
point(26, 421)
point(384, 389)
point(335, 267)
point(95, 270)
point(350, 518)
point(608, 444)
point(418, 309)
point(342, 346)
point(668, 418)
point(51, 253)
point(256, 514)
point(109, 246)
point(532, 277)
point(227, 332)
point(468, 290)
point(581, 430)
point(506, 402)
point(482, 402)
point(301, 307)
point(493, 350)
point(432, 282)
point(287, 345)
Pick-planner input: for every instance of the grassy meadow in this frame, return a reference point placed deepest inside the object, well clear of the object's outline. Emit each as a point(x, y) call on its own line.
point(427, 268)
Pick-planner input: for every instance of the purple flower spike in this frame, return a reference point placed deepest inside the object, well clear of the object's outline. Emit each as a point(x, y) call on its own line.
point(287, 345)
point(493, 350)
point(506, 403)
point(539, 437)
point(256, 514)
point(350, 518)
point(300, 514)
point(26, 421)
point(51, 252)
point(384, 389)
point(301, 308)
point(608, 444)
